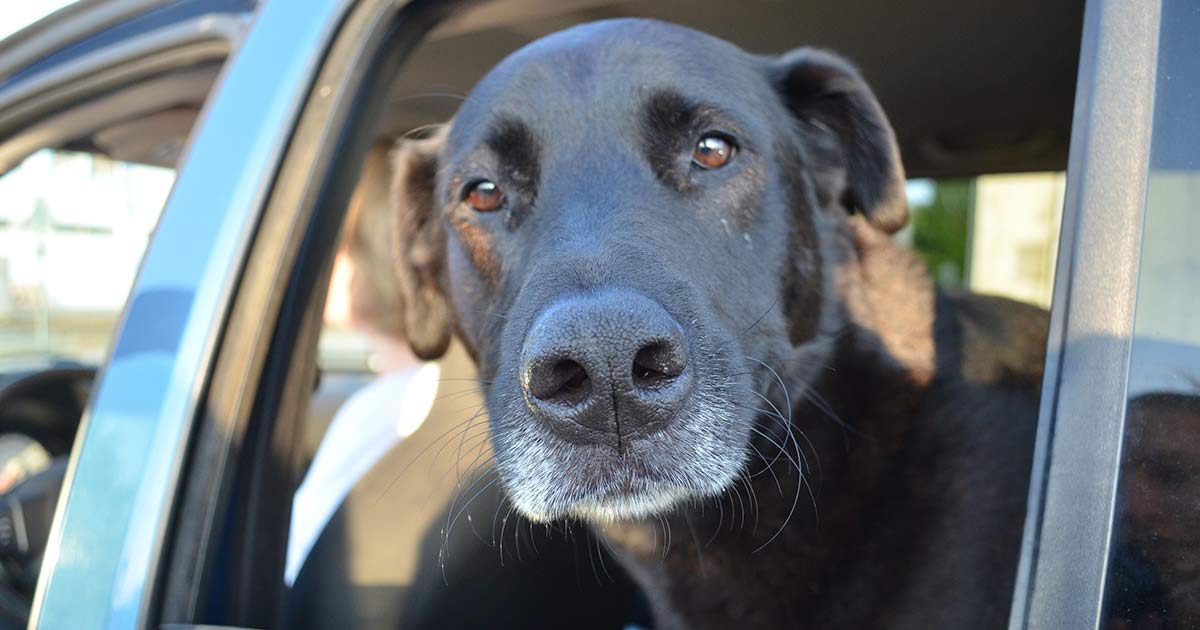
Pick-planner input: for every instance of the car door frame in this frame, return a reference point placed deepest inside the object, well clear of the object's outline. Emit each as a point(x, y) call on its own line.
point(266, 363)
point(223, 298)
point(1069, 521)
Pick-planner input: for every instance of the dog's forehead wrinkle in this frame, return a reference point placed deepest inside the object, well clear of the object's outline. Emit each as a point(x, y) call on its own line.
point(600, 71)
point(651, 43)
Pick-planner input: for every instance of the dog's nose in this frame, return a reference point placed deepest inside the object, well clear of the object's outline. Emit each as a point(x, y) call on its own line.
point(603, 368)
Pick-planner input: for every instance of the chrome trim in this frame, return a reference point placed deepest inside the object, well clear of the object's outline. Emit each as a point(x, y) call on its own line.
point(216, 27)
point(1068, 527)
point(181, 87)
point(64, 26)
point(102, 558)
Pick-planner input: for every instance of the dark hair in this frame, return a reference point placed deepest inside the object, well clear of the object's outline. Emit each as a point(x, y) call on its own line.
point(375, 297)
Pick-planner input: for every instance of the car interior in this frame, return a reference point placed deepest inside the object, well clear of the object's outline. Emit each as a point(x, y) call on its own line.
point(965, 98)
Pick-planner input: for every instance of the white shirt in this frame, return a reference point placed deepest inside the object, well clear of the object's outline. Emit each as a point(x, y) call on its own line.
point(370, 422)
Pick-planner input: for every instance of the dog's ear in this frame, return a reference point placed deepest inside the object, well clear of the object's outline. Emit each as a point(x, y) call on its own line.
point(837, 110)
point(419, 249)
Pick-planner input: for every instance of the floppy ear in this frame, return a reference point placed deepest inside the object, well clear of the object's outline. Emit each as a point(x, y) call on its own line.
point(835, 106)
point(419, 245)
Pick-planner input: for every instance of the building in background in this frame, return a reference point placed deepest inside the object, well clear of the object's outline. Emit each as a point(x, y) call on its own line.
point(73, 228)
point(994, 234)
point(1014, 235)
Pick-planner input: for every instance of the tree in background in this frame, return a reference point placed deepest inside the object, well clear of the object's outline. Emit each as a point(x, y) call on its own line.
point(941, 231)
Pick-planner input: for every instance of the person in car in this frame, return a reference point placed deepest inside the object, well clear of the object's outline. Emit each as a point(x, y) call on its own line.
point(391, 407)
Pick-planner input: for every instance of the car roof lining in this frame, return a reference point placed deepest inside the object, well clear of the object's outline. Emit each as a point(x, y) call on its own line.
point(160, 107)
point(970, 88)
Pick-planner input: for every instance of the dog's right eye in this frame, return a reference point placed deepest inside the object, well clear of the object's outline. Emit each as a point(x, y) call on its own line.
point(483, 196)
point(713, 151)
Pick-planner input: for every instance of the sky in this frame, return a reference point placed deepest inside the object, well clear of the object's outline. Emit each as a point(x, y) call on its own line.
point(17, 14)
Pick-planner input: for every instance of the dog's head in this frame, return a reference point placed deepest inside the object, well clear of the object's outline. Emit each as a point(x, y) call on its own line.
point(628, 223)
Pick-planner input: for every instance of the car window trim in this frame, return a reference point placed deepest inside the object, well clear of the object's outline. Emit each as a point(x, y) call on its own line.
point(1065, 548)
point(87, 27)
point(121, 105)
point(267, 359)
point(203, 39)
point(213, 208)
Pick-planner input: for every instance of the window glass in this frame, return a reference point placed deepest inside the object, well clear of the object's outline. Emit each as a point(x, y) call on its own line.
point(994, 234)
point(73, 228)
point(1154, 571)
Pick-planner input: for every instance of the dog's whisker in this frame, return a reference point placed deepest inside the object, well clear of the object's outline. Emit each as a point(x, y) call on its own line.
point(788, 427)
point(769, 467)
point(458, 454)
point(720, 522)
point(667, 551)
point(418, 129)
point(481, 461)
point(487, 312)
point(503, 526)
point(462, 393)
point(496, 517)
point(760, 317)
point(435, 479)
point(696, 545)
point(464, 425)
point(592, 559)
point(772, 415)
point(446, 442)
point(782, 449)
point(753, 502)
point(601, 545)
point(783, 386)
point(786, 519)
point(533, 540)
point(820, 403)
point(737, 492)
point(446, 533)
point(411, 97)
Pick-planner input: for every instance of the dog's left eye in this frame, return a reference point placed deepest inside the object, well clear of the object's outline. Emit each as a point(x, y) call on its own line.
point(713, 152)
point(484, 196)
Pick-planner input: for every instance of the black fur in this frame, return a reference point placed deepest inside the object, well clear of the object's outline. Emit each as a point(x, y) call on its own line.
point(855, 446)
point(512, 140)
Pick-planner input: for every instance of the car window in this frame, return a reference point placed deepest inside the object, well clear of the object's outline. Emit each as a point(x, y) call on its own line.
point(995, 234)
point(73, 228)
point(1154, 568)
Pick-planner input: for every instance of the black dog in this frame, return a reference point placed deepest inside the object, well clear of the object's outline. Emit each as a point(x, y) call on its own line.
point(669, 259)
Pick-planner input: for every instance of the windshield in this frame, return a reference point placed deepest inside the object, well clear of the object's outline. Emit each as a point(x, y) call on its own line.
point(73, 229)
